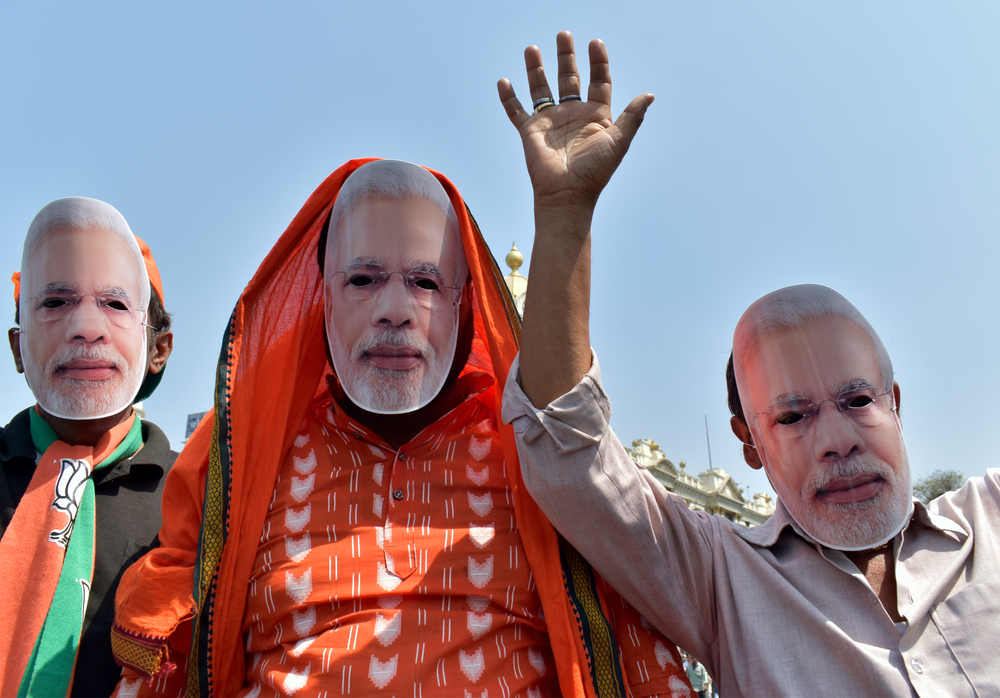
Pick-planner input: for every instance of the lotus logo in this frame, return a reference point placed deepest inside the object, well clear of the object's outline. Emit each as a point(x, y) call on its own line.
point(70, 484)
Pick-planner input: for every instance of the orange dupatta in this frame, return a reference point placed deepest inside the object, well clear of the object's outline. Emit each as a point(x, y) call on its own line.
point(188, 596)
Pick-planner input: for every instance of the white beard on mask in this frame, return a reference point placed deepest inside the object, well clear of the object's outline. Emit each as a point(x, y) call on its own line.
point(852, 526)
point(389, 391)
point(70, 398)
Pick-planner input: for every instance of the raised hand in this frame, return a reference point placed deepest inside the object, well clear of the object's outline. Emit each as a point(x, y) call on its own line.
point(571, 148)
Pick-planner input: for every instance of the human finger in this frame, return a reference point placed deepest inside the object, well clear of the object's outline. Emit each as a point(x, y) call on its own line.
point(569, 74)
point(631, 119)
point(511, 104)
point(600, 74)
point(537, 82)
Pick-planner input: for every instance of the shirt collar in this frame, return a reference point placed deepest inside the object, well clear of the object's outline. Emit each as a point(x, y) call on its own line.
point(768, 533)
point(923, 515)
point(15, 441)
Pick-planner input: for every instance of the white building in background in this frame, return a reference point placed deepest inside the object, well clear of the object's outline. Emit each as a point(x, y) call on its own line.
point(714, 490)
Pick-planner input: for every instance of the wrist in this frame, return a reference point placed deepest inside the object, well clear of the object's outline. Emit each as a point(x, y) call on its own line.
point(570, 217)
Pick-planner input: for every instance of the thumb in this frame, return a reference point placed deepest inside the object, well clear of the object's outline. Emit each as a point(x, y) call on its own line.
point(630, 120)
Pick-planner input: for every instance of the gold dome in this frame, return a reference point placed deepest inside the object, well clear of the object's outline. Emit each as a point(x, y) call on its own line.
point(514, 258)
point(516, 282)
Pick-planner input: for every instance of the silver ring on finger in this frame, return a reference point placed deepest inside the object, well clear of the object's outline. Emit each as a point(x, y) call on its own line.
point(569, 97)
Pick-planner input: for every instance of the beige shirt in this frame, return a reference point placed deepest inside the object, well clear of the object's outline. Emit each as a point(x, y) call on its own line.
point(768, 611)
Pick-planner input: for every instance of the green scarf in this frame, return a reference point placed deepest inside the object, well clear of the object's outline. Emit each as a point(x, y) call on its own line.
point(50, 669)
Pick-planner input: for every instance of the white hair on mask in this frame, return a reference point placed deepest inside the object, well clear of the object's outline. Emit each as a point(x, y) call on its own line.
point(399, 180)
point(392, 179)
point(794, 306)
point(82, 214)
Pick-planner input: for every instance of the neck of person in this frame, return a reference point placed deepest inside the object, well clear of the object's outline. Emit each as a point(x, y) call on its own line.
point(399, 429)
point(84, 432)
point(878, 565)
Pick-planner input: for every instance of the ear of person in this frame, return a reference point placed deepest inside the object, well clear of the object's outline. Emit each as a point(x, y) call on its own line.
point(14, 336)
point(163, 345)
point(742, 432)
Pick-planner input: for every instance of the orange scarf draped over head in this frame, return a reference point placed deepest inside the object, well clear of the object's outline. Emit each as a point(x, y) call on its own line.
point(188, 596)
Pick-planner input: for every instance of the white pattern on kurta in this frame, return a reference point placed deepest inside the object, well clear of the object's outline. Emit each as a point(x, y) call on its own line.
point(381, 673)
point(482, 504)
point(296, 679)
point(472, 664)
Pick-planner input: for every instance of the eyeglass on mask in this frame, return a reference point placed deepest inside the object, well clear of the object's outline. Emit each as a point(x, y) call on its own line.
point(792, 419)
point(426, 288)
point(116, 309)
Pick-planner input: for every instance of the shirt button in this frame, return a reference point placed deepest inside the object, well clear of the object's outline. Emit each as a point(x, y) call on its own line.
point(402, 455)
point(358, 435)
point(917, 665)
point(398, 494)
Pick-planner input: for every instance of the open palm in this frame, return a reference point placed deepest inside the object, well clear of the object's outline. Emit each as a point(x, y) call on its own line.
point(572, 149)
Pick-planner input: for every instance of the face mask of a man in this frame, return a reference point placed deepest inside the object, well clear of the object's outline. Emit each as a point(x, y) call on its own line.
point(83, 302)
point(394, 272)
point(826, 429)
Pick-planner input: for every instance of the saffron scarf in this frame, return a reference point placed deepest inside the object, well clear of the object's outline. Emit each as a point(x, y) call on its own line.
point(48, 553)
point(186, 599)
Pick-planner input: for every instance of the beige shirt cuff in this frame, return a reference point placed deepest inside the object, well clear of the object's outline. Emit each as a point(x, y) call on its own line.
point(575, 420)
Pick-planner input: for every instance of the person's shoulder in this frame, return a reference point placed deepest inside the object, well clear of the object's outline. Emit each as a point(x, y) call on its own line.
point(156, 449)
point(15, 437)
point(976, 500)
point(987, 484)
point(21, 420)
point(763, 536)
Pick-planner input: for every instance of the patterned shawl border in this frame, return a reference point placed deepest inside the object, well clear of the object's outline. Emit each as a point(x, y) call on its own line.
point(599, 640)
point(147, 656)
point(214, 527)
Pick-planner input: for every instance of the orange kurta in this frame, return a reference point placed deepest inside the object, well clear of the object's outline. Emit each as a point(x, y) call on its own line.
point(385, 572)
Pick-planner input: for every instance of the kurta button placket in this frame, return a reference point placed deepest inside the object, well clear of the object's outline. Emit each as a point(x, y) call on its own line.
point(917, 665)
point(399, 494)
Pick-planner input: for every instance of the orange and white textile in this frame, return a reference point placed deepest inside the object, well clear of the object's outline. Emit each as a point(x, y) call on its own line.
point(384, 572)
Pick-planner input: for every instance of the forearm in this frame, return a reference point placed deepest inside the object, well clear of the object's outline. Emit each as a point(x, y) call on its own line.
point(555, 340)
point(571, 151)
point(643, 541)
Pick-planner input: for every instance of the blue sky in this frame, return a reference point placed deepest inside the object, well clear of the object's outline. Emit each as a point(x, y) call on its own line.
point(851, 144)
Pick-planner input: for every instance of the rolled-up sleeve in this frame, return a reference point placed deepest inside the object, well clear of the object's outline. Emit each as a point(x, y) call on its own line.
point(613, 511)
point(573, 421)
